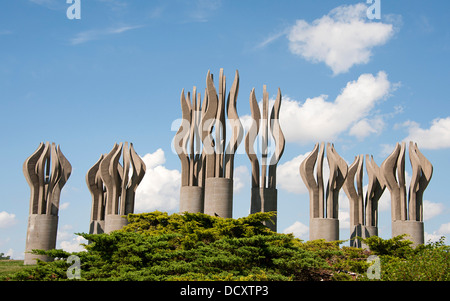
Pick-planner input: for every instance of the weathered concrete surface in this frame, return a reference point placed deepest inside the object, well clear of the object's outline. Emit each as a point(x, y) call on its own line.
point(191, 199)
point(219, 197)
point(324, 228)
point(413, 229)
point(41, 234)
point(265, 200)
point(115, 222)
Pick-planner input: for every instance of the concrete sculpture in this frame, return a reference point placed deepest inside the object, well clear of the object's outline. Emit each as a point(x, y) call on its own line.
point(324, 222)
point(407, 213)
point(363, 211)
point(113, 188)
point(207, 178)
point(219, 165)
point(192, 159)
point(46, 171)
point(264, 192)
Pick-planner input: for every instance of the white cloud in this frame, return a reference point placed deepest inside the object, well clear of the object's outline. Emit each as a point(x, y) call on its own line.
point(320, 120)
point(341, 39)
point(241, 178)
point(444, 229)
point(431, 209)
point(365, 127)
point(73, 244)
point(64, 205)
point(435, 137)
point(288, 175)
point(7, 219)
point(160, 187)
point(298, 229)
point(68, 241)
point(90, 35)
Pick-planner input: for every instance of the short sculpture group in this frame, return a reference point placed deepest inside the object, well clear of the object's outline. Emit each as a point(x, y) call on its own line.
point(110, 183)
point(207, 167)
point(113, 189)
point(407, 213)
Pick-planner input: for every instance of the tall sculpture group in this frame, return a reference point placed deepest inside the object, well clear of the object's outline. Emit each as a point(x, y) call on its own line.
point(207, 168)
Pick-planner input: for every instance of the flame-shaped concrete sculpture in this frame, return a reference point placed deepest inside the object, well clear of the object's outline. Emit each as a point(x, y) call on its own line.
point(113, 188)
point(46, 171)
point(264, 192)
point(324, 222)
point(363, 211)
point(207, 175)
point(407, 213)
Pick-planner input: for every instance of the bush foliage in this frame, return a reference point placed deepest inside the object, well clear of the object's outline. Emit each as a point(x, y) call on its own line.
point(157, 246)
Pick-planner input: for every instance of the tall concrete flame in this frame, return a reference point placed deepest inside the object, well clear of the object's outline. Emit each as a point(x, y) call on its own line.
point(363, 211)
point(407, 213)
point(207, 177)
point(46, 171)
point(113, 188)
point(324, 222)
point(264, 192)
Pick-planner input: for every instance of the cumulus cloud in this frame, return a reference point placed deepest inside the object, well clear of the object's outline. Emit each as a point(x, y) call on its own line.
point(241, 178)
point(7, 219)
point(342, 38)
point(435, 137)
point(320, 120)
point(431, 209)
point(160, 187)
point(288, 175)
point(298, 229)
point(366, 127)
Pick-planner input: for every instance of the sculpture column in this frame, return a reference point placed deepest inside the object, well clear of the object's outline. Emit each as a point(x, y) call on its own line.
point(98, 192)
point(219, 161)
point(407, 213)
point(324, 222)
point(46, 171)
point(363, 214)
point(264, 192)
point(110, 210)
point(192, 159)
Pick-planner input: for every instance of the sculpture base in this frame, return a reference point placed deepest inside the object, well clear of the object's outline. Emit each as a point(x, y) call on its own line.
point(97, 227)
point(219, 197)
point(265, 200)
point(363, 232)
point(41, 234)
point(414, 230)
point(324, 228)
point(115, 222)
point(191, 199)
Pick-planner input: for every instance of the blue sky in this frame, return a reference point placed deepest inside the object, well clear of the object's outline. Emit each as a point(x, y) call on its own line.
point(116, 75)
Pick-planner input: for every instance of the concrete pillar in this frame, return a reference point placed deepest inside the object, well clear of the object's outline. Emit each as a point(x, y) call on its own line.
point(114, 222)
point(363, 232)
point(191, 199)
point(414, 230)
point(265, 200)
point(41, 234)
point(324, 228)
point(219, 197)
point(97, 227)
